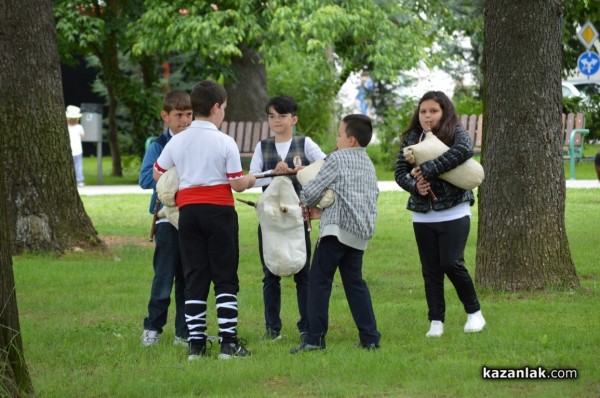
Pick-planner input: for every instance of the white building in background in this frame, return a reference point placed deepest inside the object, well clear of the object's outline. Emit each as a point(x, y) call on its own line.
point(424, 80)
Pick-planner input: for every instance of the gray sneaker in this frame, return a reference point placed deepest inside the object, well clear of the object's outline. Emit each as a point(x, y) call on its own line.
point(272, 335)
point(180, 341)
point(368, 347)
point(149, 337)
point(305, 347)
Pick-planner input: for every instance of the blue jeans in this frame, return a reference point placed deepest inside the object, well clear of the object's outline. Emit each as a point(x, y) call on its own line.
point(167, 267)
point(78, 163)
point(272, 290)
point(330, 255)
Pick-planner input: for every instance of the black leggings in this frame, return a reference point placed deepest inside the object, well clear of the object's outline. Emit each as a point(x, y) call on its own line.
point(441, 249)
point(208, 241)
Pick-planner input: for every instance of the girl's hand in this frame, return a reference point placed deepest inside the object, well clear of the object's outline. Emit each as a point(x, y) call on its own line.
point(416, 172)
point(422, 185)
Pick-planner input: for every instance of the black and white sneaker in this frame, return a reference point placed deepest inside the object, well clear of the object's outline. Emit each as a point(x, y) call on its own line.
point(197, 350)
point(235, 349)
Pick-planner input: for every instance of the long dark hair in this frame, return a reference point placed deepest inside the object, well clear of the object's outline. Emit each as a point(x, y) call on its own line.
point(445, 130)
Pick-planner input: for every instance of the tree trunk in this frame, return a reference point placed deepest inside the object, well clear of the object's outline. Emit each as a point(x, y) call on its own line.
point(14, 376)
point(247, 93)
point(45, 212)
point(108, 54)
point(522, 241)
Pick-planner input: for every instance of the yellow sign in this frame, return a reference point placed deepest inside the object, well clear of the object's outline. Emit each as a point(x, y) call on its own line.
point(587, 35)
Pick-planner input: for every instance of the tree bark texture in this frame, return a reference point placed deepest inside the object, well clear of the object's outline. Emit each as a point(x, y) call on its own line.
point(14, 375)
point(45, 212)
point(247, 91)
point(522, 241)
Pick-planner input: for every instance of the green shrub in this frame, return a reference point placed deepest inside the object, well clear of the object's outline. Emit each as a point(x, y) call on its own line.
point(390, 128)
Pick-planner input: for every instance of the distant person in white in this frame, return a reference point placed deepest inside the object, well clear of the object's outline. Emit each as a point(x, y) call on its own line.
point(76, 134)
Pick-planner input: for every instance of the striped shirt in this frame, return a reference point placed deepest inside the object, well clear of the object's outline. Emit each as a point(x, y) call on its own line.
point(351, 175)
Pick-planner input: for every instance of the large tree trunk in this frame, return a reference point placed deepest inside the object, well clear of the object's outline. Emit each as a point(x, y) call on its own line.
point(247, 95)
point(44, 209)
point(108, 54)
point(14, 376)
point(522, 241)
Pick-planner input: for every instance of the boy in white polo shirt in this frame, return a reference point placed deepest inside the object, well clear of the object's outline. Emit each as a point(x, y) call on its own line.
point(209, 166)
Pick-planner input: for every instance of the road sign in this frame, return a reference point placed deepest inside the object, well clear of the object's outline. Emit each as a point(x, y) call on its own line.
point(587, 35)
point(588, 63)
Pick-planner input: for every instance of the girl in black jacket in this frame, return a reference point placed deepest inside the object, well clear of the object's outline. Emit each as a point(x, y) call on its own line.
point(441, 211)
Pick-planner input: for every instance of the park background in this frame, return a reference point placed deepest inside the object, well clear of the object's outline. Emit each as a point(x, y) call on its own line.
point(80, 306)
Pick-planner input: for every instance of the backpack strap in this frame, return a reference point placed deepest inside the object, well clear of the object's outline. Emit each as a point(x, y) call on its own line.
point(161, 140)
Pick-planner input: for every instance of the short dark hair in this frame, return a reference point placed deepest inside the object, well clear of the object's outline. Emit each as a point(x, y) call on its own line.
point(177, 99)
point(204, 95)
point(360, 127)
point(282, 105)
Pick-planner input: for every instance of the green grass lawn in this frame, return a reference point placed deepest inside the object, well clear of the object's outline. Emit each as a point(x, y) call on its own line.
point(81, 316)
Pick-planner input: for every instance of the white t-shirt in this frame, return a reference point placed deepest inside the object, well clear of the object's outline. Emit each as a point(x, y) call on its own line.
point(311, 150)
point(453, 213)
point(75, 136)
point(203, 155)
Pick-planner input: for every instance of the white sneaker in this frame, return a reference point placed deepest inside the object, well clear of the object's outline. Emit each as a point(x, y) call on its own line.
point(436, 329)
point(475, 322)
point(149, 337)
point(180, 341)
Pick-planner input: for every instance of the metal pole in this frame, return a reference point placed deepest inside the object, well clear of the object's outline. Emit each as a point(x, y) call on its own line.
point(99, 155)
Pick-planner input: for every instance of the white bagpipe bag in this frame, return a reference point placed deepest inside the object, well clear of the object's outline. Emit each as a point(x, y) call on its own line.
point(166, 189)
point(282, 226)
point(468, 175)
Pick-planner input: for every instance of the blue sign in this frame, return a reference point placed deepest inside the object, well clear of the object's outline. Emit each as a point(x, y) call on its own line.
point(588, 63)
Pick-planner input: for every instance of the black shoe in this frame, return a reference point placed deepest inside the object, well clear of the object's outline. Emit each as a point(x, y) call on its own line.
point(197, 350)
point(271, 334)
point(303, 336)
point(369, 347)
point(235, 349)
point(304, 347)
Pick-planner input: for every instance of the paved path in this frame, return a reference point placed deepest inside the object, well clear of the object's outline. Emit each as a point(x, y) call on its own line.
point(383, 186)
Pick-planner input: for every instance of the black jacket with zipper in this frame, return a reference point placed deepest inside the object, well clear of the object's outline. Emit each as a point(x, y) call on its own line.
point(447, 194)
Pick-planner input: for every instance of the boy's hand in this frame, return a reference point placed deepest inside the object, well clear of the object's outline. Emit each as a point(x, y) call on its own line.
point(315, 213)
point(281, 168)
point(250, 179)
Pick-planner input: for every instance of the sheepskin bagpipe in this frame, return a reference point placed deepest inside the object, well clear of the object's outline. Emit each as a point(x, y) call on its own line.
point(468, 175)
point(166, 188)
point(310, 172)
point(282, 228)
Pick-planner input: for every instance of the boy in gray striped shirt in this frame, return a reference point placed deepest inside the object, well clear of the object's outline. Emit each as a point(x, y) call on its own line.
point(345, 229)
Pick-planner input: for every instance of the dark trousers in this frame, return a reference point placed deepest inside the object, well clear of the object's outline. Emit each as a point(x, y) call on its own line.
point(441, 249)
point(167, 268)
point(208, 238)
point(331, 254)
point(272, 289)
